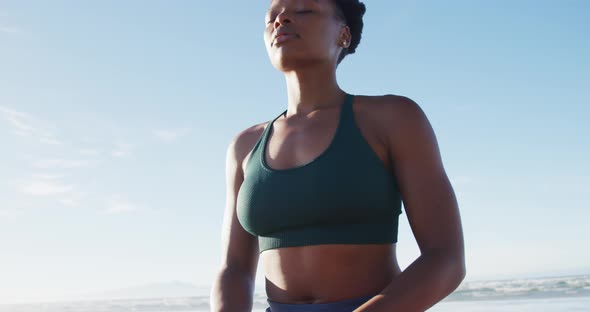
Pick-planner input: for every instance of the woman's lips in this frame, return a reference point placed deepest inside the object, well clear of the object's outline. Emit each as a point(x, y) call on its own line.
point(283, 37)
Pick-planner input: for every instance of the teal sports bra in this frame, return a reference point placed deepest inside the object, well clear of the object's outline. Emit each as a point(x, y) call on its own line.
point(346, 195)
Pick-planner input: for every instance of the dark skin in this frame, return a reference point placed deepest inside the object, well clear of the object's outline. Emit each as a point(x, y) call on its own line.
point(401, 136)
point(326, 273)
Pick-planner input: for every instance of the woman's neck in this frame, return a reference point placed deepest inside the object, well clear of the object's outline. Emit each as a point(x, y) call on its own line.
point(311, 89)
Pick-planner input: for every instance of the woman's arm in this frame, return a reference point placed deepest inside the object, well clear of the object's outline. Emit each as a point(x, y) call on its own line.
point(432, 211)
point(233, 287)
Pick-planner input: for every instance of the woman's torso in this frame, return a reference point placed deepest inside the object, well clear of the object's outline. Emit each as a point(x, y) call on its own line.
point(326, 273)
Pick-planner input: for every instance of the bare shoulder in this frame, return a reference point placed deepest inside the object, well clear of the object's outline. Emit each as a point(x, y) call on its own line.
point(243, 142)
point(393, 114)
point(389, 106)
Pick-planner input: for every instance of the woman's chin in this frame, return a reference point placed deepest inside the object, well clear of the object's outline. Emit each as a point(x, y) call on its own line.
point(289, 61)
point(286, 63)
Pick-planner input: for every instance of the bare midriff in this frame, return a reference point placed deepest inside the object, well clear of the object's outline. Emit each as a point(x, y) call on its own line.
point(328, 273)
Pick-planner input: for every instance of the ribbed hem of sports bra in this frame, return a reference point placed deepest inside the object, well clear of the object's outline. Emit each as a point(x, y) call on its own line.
point(362, 233)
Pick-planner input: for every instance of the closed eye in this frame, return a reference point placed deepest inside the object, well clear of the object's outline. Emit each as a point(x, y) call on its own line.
point(271, 19)
point(298, 12)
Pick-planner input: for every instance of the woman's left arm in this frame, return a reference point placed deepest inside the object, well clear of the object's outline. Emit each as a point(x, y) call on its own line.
point(432, 211)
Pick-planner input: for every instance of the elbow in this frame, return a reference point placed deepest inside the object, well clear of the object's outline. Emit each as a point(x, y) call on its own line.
point(458, 268)
point(461, 272)
point(457, 264)
point(452, 265)
point(454, 270)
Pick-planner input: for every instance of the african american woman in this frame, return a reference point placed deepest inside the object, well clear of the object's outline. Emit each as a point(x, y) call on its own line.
point(316, 192)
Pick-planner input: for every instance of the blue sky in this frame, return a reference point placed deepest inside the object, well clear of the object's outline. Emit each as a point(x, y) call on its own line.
point(115, 117)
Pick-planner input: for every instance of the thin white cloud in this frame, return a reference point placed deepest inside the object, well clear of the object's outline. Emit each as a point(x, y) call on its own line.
point(42, 185)
point(88, 152)
point(73, 199)
point(21, 122)
point(122, 150)
point(26, 125)
point(45, 176)
point(50, 140)
point(55, 172)
point(170, 134)
point(70, 202)
point(45, 188)
point(61, 163)
point(10, 30)
point(117, 205)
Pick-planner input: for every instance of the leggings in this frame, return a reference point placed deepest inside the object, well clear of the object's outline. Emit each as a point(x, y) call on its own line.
point(339, 306)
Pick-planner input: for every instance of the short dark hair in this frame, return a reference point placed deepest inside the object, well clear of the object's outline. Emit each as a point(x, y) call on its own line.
point(351, 12)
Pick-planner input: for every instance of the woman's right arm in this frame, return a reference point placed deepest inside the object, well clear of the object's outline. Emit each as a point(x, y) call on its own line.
point(233, 287)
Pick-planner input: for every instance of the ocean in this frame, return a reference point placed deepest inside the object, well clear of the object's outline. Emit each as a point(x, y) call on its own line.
point(550, 294)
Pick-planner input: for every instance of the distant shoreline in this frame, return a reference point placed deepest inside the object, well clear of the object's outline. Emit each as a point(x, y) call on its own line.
point(181, 293)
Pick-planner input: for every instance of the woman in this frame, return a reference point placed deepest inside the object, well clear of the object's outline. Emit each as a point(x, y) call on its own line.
point(316, 192)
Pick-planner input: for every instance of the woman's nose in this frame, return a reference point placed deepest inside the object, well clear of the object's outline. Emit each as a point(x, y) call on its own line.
point(282, 18)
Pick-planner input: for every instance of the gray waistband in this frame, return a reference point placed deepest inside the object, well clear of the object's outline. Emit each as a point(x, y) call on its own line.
point(339, 306)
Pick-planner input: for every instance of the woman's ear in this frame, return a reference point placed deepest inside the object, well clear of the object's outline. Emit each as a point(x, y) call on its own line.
point(345, 37)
